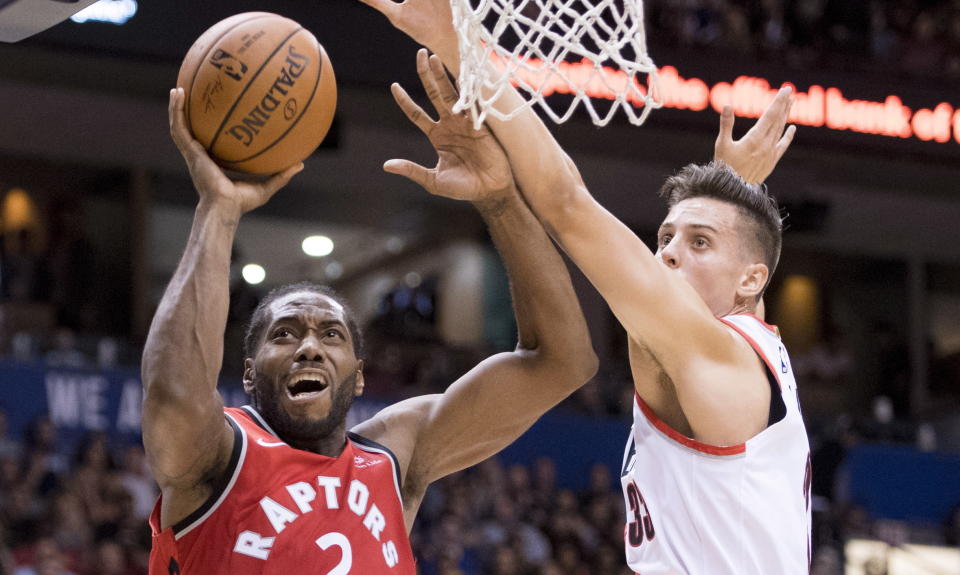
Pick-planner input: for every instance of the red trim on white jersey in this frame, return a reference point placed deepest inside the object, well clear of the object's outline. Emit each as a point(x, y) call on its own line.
point(682, 439)
point(756, 346)
point(772, 328)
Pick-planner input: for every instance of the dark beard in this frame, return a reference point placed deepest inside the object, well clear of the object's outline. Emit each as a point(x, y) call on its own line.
point(304, 431)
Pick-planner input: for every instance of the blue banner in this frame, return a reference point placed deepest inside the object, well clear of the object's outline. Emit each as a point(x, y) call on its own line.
point(80, 400)
point(889, 481)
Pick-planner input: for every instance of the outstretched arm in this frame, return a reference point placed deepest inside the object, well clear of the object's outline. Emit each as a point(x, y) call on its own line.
point(549, 179)
point(643, 294)
point(184, 433)
point(493, 404)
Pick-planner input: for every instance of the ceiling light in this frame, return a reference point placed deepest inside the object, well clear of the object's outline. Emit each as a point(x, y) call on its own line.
point(317, 246)
point(254, 274)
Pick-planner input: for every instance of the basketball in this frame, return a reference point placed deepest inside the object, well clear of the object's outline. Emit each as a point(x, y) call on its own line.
point(260, 92)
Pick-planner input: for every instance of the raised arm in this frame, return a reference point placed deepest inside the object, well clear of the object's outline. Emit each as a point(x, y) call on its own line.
point(616, 261)
point(644, 294)
point(493, 404)
point(185, 435)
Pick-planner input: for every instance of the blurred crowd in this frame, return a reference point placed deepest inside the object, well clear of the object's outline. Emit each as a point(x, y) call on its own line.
point(918, 38)
point(72, 512)
point(838, 517)
point(515, 520)
point(83, 511)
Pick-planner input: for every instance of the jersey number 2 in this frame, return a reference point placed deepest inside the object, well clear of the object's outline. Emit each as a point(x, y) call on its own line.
point(642, 525)
point(341, 541)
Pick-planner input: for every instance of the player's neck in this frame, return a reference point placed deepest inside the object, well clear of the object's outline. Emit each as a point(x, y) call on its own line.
point(740, 308)
point(331, 445)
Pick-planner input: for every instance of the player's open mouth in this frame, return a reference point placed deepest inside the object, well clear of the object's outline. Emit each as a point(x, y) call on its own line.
point(306, 386)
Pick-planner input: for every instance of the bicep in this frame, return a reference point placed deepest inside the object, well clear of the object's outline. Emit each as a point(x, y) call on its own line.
point(725, 402)
point(185, 438)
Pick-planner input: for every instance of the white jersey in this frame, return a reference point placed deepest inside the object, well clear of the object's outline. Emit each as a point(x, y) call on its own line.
point(698, 509)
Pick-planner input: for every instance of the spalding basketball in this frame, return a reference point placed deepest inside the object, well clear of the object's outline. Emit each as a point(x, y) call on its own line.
point(260, 92)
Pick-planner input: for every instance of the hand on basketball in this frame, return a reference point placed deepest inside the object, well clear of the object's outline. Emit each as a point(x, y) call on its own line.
point(472, 166)
point(427, 22)
point(755, 155)
point(211, 183)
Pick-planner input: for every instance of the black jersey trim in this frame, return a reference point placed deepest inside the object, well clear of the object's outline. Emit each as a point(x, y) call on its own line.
point(259, 420)
point(222, 485)
point(778, 409)
point(364, 442)
point(629, 453)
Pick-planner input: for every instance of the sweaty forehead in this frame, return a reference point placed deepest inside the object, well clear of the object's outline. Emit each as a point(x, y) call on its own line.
point(310, 304)
point(711, 212)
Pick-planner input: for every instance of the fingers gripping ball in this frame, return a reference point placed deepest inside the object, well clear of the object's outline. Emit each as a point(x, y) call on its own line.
point(260, 92)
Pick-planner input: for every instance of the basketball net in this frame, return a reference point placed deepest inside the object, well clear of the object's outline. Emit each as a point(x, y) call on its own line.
point(592, 50)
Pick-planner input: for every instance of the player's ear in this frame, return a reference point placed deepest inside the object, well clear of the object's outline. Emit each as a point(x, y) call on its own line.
point(753, 280)
point(249, 375)
point(359, 383)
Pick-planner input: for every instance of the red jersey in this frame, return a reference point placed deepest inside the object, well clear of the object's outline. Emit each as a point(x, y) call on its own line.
point(281, 510)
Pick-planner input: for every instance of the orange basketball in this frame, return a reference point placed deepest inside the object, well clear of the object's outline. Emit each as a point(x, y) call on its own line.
point(260, 92)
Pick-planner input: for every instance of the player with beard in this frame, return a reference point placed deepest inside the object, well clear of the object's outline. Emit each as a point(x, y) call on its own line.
point(266, 399)
point(281, 486)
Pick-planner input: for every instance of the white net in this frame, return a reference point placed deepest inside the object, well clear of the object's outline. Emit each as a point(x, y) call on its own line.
point(593, 51)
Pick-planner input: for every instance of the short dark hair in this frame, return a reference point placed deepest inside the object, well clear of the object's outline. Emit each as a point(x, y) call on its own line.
point(719, 181)
point(258, 321)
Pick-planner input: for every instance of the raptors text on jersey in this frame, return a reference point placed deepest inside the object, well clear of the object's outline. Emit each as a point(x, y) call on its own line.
point(279, 509)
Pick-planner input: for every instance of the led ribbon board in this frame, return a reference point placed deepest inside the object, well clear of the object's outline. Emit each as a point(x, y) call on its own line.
point(818, 106)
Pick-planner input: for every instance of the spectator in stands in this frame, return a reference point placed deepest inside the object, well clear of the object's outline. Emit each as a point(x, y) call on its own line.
point(92, 463)
point(951, 47)
point(63, 350)
point(505, 561)
point(600, 484)
point(923, 54)
point(10, 448)
point(44, 463)
point(827, 561)
point(9, 477)
point(569, 558)
point(71, 271)
point(67, 523)
point(44, 557)
point(21, 265)
point(110, 559)
point(135, 478)
point(951, 528)
point(883, 40)
point(6, 558)
point(544, 483)
point(847, 24)
point(773, 26)
point(736, 30)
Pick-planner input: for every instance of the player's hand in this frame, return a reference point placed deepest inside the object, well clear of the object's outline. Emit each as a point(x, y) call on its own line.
point(209, 179)
point(427, 22)
point(755, 155)
point(472, 166)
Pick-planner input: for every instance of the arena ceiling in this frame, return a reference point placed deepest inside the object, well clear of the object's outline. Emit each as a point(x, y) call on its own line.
point(94, 94)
